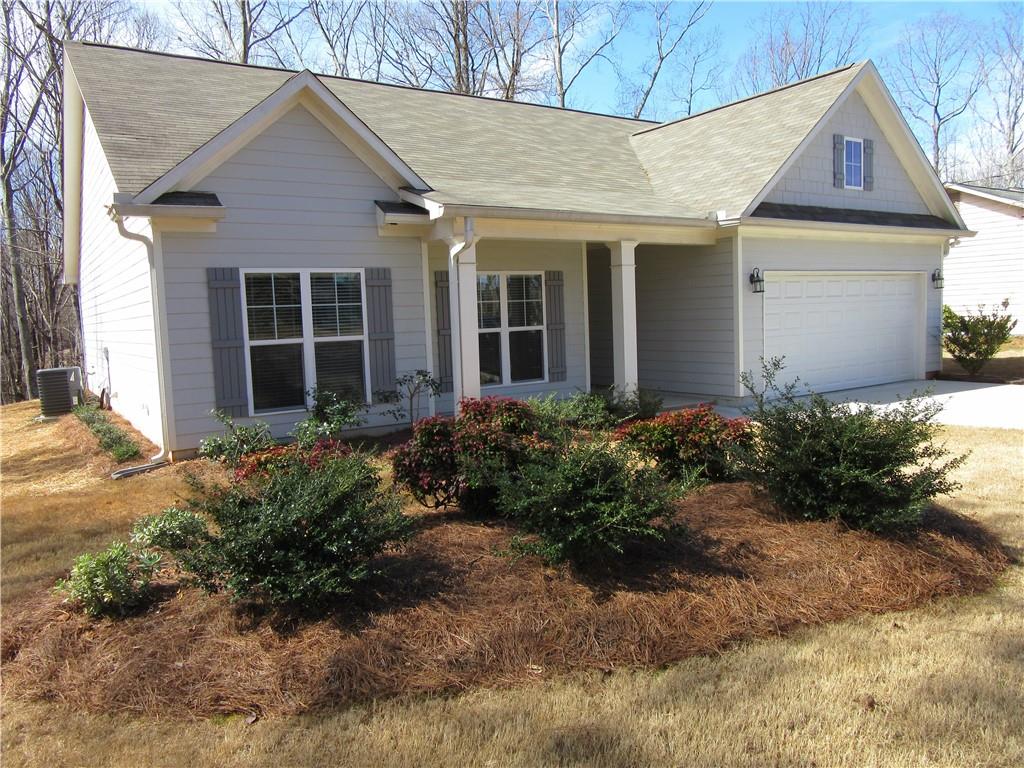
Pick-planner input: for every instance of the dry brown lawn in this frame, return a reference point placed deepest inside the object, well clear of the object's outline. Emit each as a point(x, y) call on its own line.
point(940, 685)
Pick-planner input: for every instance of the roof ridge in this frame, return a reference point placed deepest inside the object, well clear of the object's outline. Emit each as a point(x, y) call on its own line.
point(752, 97)
point(494, 99)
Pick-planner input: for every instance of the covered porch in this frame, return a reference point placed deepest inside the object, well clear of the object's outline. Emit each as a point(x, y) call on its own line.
point(520, 313)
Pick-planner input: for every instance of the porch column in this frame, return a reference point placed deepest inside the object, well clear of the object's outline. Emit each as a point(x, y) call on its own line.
point(624, 350)
point(465, 340)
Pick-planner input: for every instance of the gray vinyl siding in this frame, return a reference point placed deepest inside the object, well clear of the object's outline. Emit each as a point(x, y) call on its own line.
point(837, 256)
point(118, 342)
point(295, 197)
point(685, 318)
point(808, 181)
point(542, 256)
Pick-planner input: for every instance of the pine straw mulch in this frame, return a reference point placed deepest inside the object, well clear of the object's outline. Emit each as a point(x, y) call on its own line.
point(451, 612)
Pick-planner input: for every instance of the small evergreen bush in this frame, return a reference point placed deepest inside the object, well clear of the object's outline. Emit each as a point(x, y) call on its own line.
point(972, 339)
point(624, 404)
point(330, 415)
point(112, 438)
point(427, 464)
point(173, 529)
point(237, 440)
point(584, 501)
point(870, 467)
point(302, 535)
point(584, 410)
point(113, 582)
point(694, 438)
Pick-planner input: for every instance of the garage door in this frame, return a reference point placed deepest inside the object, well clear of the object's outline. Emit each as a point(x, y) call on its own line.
point(841, 330)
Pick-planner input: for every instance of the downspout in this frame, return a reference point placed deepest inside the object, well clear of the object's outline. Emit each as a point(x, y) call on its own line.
point(456, 247)
point(163, 455)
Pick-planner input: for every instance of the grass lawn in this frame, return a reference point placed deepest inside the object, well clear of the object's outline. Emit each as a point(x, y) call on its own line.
point(939, 685)
point(1007, 365)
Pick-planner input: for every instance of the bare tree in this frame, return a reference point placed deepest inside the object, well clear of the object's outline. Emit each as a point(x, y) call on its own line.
point(573, 42)
point(671, 28)
point(337, 22)
point(800, 40)
point(936, 76)
point(514, 31)
point(234, 30)
point(700, 71)
point(1002, 117)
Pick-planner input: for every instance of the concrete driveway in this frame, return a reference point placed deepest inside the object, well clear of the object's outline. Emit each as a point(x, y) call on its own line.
point(964, 403)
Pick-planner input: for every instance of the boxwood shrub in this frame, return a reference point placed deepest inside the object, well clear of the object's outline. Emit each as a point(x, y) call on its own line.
point(871, 467)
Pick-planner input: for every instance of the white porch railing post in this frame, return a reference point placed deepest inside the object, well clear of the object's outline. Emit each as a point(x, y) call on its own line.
point(462, 297)
point(624, 341)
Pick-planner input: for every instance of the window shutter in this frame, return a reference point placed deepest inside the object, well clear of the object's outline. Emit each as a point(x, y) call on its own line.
point(869, 165)
point(380, 330)
point(838, 160)
point(554, 289)
point(230, 384)
point(442, 310)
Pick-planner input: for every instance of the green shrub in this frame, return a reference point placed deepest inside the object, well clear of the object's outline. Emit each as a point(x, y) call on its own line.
point(584, 501)
point(112, 438)
point(868, 466)
point(691, 439)
point(113, 582)
point(427, 464)
point(330, 415)
point(173, 529)
point(631, 404)
point(972, 339)
point(584, 410)
point(302, 535)
point(236, 441)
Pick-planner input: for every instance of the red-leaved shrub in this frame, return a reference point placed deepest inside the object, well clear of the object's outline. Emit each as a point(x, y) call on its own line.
point(427, 464)
point(695, 438)
point(260, 464)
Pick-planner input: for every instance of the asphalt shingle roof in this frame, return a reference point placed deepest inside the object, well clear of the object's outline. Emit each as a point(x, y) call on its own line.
point(151, 111)
point(1006, 193)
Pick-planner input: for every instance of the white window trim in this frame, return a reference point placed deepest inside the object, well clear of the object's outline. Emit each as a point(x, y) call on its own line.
point(308, 340)
point(847, 185)
point(506, 361)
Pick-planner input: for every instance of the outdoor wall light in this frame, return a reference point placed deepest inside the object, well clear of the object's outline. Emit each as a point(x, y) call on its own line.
point(937, 281)
point(756, 281)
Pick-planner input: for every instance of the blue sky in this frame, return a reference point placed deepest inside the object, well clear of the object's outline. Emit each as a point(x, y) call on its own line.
point(733, 21)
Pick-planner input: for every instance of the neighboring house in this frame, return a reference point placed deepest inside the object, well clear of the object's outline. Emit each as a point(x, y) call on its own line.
point(988, 268)
point(242, 233)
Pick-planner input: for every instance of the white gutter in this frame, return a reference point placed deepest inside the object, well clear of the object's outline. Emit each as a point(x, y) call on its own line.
point(163, 454)
point(74, 117)
point(455, 248)
point(170, 211)
point(832, 226)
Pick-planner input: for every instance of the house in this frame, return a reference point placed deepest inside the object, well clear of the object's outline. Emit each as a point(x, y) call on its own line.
point(988, 268)
point(241, 233)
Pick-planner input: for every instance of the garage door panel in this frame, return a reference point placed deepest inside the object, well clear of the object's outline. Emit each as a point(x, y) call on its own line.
point(843, 330)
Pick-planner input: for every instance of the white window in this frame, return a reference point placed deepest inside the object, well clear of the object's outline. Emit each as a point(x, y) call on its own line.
point(304, 329)
point(853, 172)
point(510, 319)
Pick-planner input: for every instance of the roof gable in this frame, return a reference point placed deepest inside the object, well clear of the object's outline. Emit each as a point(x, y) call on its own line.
point(721, 159)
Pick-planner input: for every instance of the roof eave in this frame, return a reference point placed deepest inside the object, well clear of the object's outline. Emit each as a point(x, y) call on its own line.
point(832, 226)
point(967, 190)
point(548, 214)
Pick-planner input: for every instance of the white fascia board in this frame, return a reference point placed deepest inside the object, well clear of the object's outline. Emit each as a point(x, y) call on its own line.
point(214, 212)
point(304, 85)
point(978, 193)
point(74, 128)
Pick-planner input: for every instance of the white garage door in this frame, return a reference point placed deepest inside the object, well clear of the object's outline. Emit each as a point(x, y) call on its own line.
point(841, 330)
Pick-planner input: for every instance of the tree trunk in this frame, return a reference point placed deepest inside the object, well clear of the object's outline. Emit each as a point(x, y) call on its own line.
point(18, 287)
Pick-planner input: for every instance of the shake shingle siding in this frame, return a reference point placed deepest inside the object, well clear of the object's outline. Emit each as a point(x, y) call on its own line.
point(294, 197)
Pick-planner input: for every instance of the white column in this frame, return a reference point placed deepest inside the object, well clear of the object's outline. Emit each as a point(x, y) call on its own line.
point(465, 339)
point(624, 314)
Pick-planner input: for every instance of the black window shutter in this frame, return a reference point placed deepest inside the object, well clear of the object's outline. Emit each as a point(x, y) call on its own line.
point(869, 165)
point(380, 330)
point(554, 289)
point(230, 384)
point(442, 312)
point(838, 160)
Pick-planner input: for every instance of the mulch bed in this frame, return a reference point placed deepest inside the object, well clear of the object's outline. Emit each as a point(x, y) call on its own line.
point(451, 612)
